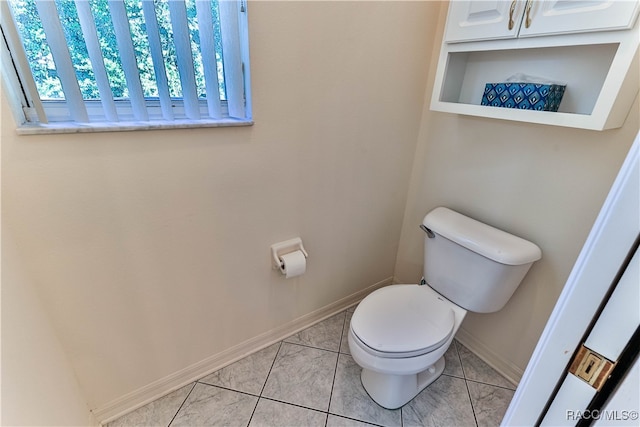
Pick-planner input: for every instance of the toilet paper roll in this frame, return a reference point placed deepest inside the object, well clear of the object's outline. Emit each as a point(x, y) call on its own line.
point(293, 264)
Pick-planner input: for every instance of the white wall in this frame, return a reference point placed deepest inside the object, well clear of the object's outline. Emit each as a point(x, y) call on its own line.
point(150, 250)
point(543, 183)
point(39, 387)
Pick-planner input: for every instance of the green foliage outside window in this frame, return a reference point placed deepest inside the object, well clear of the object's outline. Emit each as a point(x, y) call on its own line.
point(43, 66)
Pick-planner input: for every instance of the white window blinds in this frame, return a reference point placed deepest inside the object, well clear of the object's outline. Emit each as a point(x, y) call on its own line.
point(123, 61)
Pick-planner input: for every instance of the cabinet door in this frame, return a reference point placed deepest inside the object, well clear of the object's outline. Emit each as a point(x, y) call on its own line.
point(483, 20)
point(548, 17)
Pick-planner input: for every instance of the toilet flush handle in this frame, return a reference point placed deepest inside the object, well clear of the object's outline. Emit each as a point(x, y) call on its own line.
point(430, 233)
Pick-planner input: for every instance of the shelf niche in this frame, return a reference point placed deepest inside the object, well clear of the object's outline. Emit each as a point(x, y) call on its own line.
point(468, 72)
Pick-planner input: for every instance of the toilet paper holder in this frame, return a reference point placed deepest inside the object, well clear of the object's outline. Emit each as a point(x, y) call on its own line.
point(283, 248)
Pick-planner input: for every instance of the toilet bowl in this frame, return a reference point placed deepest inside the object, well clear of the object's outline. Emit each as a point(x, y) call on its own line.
point(399, 337)
point(399, 334)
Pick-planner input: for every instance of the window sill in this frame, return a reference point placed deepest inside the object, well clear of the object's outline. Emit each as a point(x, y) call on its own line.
point(55, 128)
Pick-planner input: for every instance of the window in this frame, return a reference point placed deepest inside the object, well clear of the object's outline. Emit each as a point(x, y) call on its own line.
point(123, 64)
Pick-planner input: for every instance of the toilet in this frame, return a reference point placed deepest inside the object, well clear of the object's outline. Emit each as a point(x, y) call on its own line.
point(399, 333)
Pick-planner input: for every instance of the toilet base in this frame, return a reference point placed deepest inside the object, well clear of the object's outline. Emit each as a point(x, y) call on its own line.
point(393, 391)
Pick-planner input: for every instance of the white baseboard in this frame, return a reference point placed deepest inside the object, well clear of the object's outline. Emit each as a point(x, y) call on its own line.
point(505, 368)
point(166, 385)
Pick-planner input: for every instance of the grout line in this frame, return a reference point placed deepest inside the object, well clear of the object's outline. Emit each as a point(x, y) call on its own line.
point(455, 346)
point(335, 369)
point(473, 409)
point(491, 385)
point(284, 402)
point(452, 376)
point(479, 381)
point(466, 384)
point(311, 346)
point(354, 419)
point(284, 340)
point(182, 404)
point(228, 389)
point(271, 368)
point(265, 383)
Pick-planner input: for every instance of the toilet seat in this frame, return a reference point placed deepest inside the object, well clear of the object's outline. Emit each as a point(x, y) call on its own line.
point(402, 321)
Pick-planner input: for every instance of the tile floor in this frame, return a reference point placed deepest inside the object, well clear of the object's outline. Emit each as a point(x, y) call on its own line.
point(309, 379)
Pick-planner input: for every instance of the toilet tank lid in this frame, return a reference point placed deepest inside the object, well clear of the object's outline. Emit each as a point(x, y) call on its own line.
point(481, 238)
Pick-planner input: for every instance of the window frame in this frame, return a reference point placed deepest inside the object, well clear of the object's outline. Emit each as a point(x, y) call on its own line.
point(31, 118)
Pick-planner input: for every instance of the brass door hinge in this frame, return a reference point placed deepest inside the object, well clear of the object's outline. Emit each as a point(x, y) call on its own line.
point(591, 367)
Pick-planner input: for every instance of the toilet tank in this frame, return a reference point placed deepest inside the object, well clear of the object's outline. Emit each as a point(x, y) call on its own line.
point(474, 265)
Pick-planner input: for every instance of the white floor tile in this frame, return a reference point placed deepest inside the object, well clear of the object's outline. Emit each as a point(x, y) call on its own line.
point(276, 414)
point(310, 379)
point(325, 335)
point(336, 421)
point(489, 403)
point(302, 376)
point(476, 369)
point(213, 406)
point(444, 403)
point(248, 374)
point(160, 412)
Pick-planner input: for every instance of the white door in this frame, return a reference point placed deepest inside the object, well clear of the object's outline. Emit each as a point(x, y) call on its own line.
point(548, 17)
point(609, 245)
point(483, 20)
point(618, 411)
point(610, 335)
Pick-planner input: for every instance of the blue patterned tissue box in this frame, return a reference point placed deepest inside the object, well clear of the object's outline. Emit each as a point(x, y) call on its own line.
point(525, 96)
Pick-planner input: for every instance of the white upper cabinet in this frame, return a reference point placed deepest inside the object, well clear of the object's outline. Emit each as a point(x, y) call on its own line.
point(591, 46)
point(483, 20)
point(547, 17)
point(474, 20)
